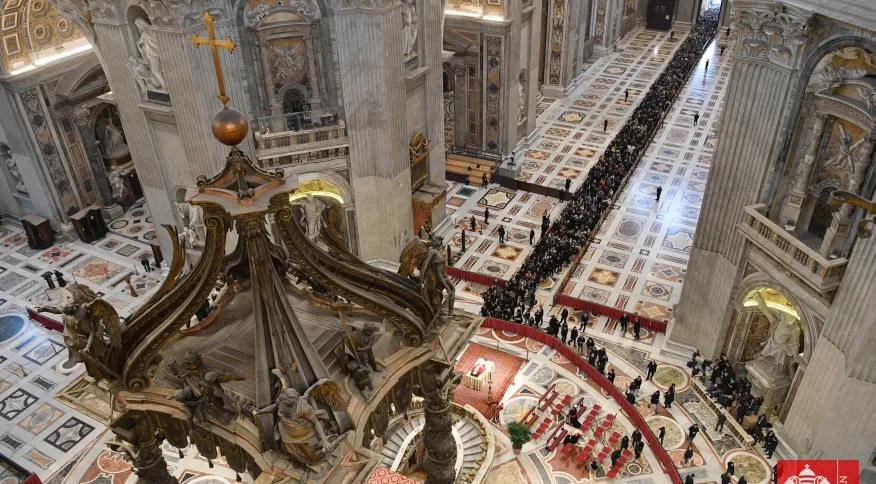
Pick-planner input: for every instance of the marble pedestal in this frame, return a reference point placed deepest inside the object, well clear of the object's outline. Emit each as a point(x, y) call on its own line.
point(764, 383)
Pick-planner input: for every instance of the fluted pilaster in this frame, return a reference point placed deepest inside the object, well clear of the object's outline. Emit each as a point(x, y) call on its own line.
point(369, 40)
point(752, 115)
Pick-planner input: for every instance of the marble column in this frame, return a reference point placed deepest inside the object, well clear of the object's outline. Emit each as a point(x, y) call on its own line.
point(312, 73)
point(82, 119)
point(460, 99)
point(832, 412)
point(135, 436)
point(561, 28)
point(371, 65)
point(791, 210)
point(440, 460)
point(747, 137)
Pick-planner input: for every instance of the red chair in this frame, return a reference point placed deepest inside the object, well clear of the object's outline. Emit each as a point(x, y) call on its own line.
point(591, 443)
point(613, 439)
point(626, 454)
point(598, 432)
point(596, 407)
point(567, 448)
point(582, 456)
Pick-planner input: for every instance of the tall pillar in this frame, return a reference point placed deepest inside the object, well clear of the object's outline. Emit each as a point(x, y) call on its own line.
point(437, 384)
point(371, 65)
point(82, 119)
point(460, 100)
point(831, 416)
point(559, 59)
point(801, 184)
point(752, 116)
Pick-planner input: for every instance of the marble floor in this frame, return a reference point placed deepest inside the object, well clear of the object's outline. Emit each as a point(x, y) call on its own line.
point(637, 262)
point(543, 367)
point(38, 430)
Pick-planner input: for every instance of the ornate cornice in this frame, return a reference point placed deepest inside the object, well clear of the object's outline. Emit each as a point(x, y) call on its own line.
point(770, 31)
point(362, 4)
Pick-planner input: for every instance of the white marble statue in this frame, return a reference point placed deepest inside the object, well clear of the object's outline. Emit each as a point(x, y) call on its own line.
point(7, 158)
point(147, 45)
point(521, 108)
point(410, 27)
point(845, 156)
point(116, 182)
point(783, 342)
point(145, 78)
point(311, 211)
point(195, 232)
point(114, 142)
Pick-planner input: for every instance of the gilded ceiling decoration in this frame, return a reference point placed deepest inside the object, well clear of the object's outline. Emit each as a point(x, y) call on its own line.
point(29, 27)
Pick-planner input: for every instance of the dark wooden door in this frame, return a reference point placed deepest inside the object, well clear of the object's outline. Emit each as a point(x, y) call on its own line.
point(660, 14)
point(822, 216)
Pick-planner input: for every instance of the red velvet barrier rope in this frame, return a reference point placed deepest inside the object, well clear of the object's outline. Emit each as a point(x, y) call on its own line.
point(474, 277)
point(613, 313)
point(630, 411)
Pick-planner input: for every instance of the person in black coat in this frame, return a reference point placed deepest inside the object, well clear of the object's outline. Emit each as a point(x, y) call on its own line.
point(652, 368)
point(669, 397)
point(692, 432)
point(743, 480)
point(564, 333)
point(611, 376)
point(60, 277)
point(615, 456)
point(661, 433)
point(638, 447)
point(688, 454)
point(721, 419)
point(725, 479)
point(655, 399)
point(731, 468)
point(636, 436)
point(689, 479)
point(631, 397)
point(637, 328)
point(625, 442)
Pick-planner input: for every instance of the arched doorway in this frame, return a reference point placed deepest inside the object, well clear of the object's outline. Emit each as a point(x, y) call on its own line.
point(295, 101)
point(822, 215)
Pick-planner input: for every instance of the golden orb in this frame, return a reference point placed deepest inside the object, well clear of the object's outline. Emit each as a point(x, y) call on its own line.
point(230, 126)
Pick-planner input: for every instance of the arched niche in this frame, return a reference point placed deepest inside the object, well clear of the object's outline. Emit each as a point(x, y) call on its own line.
point(831, 147)
point(288, 52)
point(335, 193)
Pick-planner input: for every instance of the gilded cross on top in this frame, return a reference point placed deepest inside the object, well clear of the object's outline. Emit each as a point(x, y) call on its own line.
point(214, 48)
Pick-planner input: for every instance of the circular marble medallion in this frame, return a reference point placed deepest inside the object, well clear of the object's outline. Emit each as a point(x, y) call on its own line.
point(112, 462)
point(10, 326)
point(517, 407)
point(677, 456)
point(750, 465)
point(118, 224)
point(667, 375)
point(629, 228)
point(543, 376)
point(565, 387)
point(674, 433)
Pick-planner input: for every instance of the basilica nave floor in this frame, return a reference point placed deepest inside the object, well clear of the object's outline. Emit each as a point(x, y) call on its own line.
point(637, 264)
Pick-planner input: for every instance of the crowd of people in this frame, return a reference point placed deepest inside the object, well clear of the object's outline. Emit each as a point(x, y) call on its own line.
point(562, 240)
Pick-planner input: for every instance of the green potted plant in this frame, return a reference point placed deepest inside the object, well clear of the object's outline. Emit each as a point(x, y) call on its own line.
point(519, 435)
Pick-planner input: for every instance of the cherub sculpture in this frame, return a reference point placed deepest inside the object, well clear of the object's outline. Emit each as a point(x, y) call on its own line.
point(91, 329)
point(426, 265)
point(300, 429)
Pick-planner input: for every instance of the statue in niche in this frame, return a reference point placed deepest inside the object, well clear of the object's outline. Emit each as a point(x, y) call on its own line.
point(845, 156)
point(7, 158)
point(410, 27)
point(521, 109)
point(311, 216)
point(300, 429)
point(114, 142)
point(117, 184)
point(145, 78)
point(91, 329)
point(784, 339)
point(147, 68)
point(195, 233)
